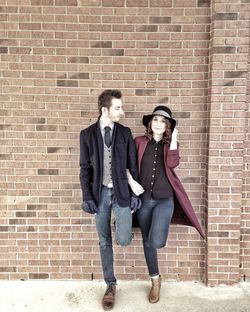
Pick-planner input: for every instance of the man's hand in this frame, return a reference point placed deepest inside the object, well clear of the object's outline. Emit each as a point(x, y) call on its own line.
point(136, 187)
point(135, 204)
point(89, 206)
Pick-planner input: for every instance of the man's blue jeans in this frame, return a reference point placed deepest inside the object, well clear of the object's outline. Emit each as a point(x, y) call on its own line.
point(154, 219)
point(123, 230)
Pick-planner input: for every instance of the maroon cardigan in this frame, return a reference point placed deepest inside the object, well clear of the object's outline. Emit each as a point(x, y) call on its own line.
point(183, 210)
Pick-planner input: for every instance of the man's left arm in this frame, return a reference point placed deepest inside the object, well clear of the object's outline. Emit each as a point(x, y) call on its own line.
point(132, 157)
point(135, 202)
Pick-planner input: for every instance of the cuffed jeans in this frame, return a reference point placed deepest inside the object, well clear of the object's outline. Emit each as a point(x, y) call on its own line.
point(123, 230)
point(154, 219)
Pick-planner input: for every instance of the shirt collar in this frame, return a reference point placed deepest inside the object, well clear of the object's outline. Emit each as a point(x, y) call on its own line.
point(153, 141)
point(103, 125)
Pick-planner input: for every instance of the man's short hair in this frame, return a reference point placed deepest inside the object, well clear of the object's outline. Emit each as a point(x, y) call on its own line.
point(105, 98)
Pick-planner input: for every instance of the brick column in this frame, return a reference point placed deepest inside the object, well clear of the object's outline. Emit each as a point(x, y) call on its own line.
point(228, 80)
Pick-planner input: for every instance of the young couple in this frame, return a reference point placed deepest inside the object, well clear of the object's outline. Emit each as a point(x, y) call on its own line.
point(121, 175)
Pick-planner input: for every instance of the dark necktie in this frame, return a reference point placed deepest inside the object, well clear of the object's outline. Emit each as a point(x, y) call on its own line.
point(107, 136)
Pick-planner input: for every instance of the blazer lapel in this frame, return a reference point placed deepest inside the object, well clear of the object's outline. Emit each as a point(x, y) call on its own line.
point(100, 146)
point(114, 135)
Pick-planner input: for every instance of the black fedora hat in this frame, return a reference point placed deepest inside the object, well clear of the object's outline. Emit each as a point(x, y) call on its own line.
point(160, 110)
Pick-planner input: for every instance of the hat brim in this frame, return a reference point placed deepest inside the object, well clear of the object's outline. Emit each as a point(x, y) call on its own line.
point(146, 119)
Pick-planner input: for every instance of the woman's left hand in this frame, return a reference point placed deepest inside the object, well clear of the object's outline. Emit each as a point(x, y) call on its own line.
point(173, 144)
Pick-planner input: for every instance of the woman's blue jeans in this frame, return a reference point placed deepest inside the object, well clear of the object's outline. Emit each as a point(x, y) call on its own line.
point(154, 219)
point(123, 230)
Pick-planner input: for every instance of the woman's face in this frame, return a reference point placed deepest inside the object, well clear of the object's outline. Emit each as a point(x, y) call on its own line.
point(158, 125)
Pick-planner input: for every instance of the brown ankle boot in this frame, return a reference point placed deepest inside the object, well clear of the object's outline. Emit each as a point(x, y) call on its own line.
point(154, 294)
point(108, 299)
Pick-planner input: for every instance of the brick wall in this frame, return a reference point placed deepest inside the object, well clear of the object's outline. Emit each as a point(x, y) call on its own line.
point(245, 214)
point(56, 58)
point(229, 50)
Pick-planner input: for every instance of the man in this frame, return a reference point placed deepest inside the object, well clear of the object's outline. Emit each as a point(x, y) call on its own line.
point(107, 150)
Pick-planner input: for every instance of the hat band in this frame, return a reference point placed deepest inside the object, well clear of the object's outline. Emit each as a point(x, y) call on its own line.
point(162, 113)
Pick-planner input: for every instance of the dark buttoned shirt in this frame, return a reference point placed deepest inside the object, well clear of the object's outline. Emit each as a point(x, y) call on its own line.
point(153, 177)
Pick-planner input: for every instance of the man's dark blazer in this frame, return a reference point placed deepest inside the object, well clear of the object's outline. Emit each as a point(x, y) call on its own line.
point(91, 162)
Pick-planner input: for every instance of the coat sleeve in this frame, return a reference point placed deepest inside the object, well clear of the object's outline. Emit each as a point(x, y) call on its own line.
point(173, 158)
point(86, 169)
point(132, 158)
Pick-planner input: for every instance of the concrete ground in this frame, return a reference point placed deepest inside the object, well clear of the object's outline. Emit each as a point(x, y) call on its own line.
point(68, 296)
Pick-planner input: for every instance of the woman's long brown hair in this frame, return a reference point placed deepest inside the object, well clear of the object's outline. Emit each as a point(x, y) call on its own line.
point(166, 139)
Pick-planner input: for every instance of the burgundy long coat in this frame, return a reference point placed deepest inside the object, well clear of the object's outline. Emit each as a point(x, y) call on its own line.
point(183, 210)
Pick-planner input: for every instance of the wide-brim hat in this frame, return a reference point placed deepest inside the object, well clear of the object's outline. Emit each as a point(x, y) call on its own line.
point(160, 110)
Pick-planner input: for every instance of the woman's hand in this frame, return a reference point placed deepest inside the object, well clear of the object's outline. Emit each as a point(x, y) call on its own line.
point(173, 144)
point(135, 186)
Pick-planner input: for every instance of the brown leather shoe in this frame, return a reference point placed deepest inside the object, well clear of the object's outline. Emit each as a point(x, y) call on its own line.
point(108, 299)
point(154, 294)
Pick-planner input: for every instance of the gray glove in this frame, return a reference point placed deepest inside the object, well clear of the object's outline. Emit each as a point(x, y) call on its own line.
point(135, 204)
point(89, 206)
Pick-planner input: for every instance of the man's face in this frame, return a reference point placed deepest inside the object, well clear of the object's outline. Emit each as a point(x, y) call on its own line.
point(115, 112)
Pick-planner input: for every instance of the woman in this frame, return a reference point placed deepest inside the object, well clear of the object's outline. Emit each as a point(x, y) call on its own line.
point(162, 193)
